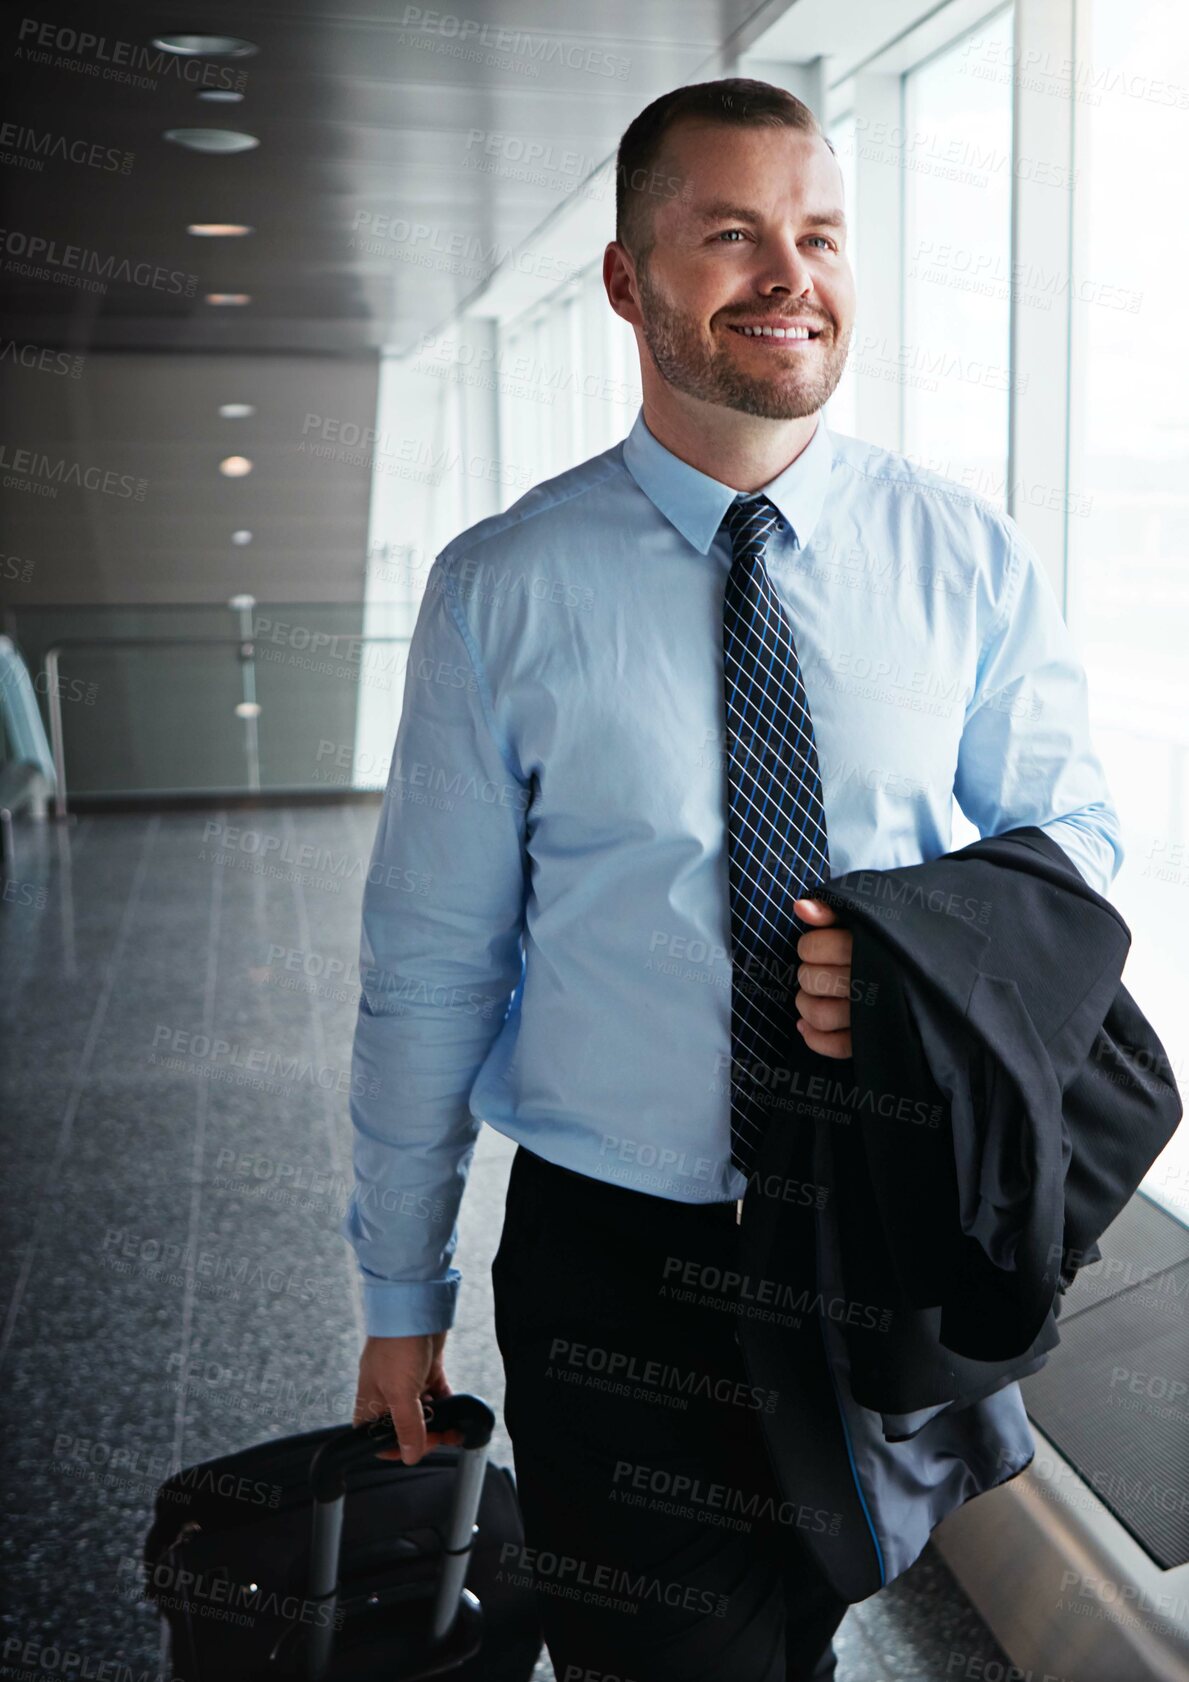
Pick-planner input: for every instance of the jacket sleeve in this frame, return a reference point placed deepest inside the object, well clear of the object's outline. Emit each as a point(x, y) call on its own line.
point(440, 956)
point(1025, 756)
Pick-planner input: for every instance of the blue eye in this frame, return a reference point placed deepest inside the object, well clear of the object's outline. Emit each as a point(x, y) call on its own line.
point(821, 238)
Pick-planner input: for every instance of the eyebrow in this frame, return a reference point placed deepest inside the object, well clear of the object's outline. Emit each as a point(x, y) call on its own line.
point(722, 211)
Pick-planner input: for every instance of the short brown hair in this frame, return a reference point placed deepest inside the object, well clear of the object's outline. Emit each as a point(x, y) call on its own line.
point(736, 99)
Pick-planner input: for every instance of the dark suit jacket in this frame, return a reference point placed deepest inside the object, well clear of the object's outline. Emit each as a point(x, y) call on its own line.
point(914, 1209)
point(1004, 1099)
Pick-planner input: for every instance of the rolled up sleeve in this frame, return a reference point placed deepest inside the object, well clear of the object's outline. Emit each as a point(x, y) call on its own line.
point(1025, 755)
point(440, 957)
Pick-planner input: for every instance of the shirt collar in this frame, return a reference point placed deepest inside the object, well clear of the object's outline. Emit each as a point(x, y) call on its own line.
point(696, 503)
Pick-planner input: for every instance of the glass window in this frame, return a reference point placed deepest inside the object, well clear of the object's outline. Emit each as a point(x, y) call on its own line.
point(956, 158)
point(523, 406)
point(1129, 479)
point(571, 381)
point(559, 380)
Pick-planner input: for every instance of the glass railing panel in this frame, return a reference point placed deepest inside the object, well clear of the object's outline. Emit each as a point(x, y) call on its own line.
point(193, 699)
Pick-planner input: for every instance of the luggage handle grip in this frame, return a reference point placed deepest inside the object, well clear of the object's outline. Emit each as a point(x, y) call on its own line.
point(356, 1445)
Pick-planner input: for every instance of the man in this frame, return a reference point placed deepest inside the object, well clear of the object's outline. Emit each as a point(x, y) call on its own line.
point(649, 708)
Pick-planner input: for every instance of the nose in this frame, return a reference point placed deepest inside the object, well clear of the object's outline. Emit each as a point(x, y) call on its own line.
point(787, 269)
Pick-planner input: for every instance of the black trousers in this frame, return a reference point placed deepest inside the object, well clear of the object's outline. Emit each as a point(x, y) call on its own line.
point(656, 1538)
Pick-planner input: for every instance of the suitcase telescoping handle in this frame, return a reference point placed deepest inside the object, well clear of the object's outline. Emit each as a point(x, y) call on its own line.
point(357, 1445)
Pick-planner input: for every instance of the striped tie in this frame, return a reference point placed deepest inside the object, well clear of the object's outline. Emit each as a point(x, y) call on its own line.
point(778, 849)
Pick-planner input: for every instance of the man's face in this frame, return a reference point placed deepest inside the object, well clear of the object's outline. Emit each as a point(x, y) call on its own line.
point(754, 237)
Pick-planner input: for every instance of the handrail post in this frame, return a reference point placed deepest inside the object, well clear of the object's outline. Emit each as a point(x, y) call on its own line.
point(249, 709)
point(54, 698)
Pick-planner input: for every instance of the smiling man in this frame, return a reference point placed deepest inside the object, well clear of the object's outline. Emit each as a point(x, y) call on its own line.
point(650, 708)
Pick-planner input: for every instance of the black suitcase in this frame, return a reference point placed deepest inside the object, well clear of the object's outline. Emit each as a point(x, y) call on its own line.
point(308, 1557)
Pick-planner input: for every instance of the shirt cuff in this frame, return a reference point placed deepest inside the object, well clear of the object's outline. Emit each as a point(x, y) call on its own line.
point(395, 1308)
point(1097, 853)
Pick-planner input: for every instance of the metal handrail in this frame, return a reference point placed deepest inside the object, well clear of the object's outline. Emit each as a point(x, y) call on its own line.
point(245, 645)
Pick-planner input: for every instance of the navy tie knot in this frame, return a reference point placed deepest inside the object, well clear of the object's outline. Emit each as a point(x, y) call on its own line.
point(750, 520)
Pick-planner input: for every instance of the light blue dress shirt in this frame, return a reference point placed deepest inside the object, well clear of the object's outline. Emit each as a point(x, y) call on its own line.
point(546, 922)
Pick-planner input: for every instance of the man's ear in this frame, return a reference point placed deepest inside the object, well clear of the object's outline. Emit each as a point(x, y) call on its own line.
point(619, 282)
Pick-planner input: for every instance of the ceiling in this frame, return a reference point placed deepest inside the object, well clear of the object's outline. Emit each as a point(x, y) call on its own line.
point(390, 182)
point(390, 177)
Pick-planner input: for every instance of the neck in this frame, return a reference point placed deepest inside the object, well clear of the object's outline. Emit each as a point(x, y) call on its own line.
point(743, 451)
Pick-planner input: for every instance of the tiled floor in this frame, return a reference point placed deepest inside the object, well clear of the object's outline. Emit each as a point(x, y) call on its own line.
point(124, 940)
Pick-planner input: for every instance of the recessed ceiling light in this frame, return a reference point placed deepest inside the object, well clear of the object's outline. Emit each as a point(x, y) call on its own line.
point(220, 230)
point(235, 467)
point(205, 46)
point(239, 538)
point(220, 96)
point(220, 140)
point(228, 297)
point(236, 411)
point(247, 709)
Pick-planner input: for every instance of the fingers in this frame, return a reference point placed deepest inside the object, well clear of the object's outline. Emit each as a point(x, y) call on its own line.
point(432, 1437)
point(369, 1403)
point(436, 1382)
point(370, 1406)
point(824, 996)
point(828, 1016)
point(410, 1429)
point(393, 1373)
point(416, 1436)
point(417, 1426)
point(827, 1044)
point(826, 946)
point(827, 981)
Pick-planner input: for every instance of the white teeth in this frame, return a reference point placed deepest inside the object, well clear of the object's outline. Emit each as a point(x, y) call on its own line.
point(774, 332)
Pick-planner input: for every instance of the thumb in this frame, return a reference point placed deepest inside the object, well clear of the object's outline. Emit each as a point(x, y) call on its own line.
point(815, 911)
